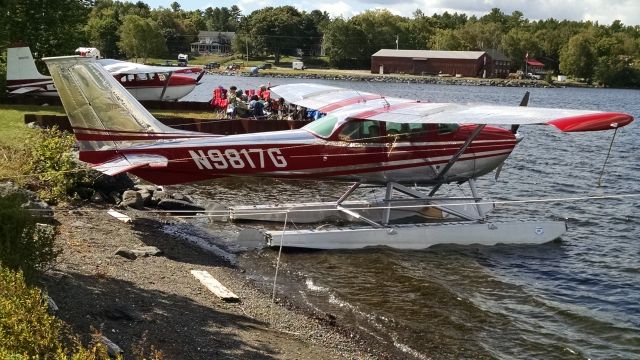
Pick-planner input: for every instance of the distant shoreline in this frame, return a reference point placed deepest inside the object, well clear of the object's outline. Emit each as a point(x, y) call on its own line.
point(411, 79)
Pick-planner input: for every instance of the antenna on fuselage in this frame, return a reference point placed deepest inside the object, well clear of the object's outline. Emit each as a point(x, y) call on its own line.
point(387, 105)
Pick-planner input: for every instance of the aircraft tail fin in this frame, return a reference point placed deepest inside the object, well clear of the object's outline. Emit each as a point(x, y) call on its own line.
point(105, 117)
point(21, 66)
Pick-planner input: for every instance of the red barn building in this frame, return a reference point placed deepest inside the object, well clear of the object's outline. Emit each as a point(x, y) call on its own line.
point(432, 62)
point(500, 64)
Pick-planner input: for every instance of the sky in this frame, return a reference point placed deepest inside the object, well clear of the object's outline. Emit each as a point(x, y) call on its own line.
point(603, 11)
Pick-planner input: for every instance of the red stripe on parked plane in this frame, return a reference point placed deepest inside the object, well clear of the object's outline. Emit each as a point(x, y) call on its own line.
point(347, 102)
point(384, 109)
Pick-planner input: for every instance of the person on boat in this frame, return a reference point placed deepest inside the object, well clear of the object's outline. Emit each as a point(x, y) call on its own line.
point(256, 106)
point(219, 98)
point(232, 101)
point(242, 109)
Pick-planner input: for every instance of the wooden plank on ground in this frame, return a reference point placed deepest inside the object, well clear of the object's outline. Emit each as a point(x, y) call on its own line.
point(215, 286)
point(118, 215)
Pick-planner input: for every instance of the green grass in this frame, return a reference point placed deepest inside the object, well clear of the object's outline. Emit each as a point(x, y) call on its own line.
point(208, 115)
point(14, 135)
point(13, 131)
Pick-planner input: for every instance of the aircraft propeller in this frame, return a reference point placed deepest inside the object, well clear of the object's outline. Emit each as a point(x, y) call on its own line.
point(514, 128)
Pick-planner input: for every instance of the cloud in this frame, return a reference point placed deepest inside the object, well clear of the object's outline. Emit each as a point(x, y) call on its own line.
point(337, 9)
point(603, 11)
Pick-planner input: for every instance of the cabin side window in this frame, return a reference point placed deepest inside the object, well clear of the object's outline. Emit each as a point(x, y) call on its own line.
point(368, 131)
point(407, 130)
point(447, 128)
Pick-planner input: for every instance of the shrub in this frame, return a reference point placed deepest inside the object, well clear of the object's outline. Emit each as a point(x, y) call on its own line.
point(25, 325)
point(28, 331)
point(51, 162)
point(24, 244)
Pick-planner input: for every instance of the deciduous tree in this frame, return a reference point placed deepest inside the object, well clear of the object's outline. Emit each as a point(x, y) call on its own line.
point(141, 38)
point(578, 57)
point(277, 29)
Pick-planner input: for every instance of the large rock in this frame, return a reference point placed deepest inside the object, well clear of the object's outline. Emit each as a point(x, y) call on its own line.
point(108, 184)
point(181, 197)
point(150, 188)
point(112, 349)
point(31, 202)
point(142, 251)
point(114, 197)
point(146, 196)
point(132, 199)
point(158, 196)
point(179, 205)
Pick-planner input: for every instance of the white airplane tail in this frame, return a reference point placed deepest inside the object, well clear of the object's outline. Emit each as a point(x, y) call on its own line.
point(105, 117)
point(21, 66)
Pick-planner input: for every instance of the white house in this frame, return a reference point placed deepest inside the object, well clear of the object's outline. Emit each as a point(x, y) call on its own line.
point(213, 42)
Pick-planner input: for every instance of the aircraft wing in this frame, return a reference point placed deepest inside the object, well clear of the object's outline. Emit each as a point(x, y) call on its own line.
point(567, 120)
point(352, 104)
point(324, 98)
point(126, 67)
point(123, 163)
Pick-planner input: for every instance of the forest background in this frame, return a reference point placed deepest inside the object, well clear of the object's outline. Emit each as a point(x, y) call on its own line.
point(603, 54)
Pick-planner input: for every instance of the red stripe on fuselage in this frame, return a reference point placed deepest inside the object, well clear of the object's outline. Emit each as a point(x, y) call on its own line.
point(303, 161)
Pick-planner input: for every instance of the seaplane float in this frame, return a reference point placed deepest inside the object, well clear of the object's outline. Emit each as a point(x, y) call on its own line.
point(144, 82)
point(364, 139)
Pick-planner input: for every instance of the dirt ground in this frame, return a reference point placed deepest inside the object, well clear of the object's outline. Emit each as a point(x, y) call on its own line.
point(155, 303)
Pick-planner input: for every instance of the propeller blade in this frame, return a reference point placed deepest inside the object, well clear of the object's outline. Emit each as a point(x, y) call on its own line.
point(523, 102)
point(200, 76)
point(514, 129)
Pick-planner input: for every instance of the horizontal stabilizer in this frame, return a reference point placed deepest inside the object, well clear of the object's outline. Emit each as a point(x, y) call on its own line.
point(124, 163)
point(26, 90)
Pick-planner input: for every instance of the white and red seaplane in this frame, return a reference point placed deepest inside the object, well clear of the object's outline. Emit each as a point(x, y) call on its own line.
point(145, 82)
point(364, 138)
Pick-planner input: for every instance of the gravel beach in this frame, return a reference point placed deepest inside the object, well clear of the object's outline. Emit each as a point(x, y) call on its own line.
point(154, 303)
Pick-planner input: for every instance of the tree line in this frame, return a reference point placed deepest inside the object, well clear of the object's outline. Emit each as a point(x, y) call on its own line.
point(606, 54)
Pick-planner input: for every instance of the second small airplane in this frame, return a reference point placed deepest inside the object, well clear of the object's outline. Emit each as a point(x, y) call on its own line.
point(144, 82)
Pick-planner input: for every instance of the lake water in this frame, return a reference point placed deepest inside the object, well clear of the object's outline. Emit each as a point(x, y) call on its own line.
point(577, 298)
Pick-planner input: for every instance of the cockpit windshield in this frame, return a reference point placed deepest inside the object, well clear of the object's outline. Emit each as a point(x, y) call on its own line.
point(322, 127)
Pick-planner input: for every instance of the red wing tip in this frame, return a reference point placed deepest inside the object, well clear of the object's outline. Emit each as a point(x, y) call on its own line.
point(592, 122)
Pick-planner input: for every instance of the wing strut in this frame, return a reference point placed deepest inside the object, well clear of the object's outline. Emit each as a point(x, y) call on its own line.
point(456, 156)
point(608, 153)
point(166, 83)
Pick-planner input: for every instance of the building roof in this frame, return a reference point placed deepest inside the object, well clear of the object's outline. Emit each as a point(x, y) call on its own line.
point(215, 36)
point(204, 33)
point(497, 55)
point(534, 62)
point(432, 54)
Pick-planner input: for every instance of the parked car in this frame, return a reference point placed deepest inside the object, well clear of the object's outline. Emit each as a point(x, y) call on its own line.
point(265, 66)
point(298, 65)
point(234, 66)
point(534, 76)
point(183, 59)
point(212, 65)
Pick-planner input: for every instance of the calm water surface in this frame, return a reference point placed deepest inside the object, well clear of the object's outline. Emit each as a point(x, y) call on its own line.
point(576, 298)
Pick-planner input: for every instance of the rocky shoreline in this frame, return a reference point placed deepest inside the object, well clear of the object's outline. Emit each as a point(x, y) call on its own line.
point(410, 79)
